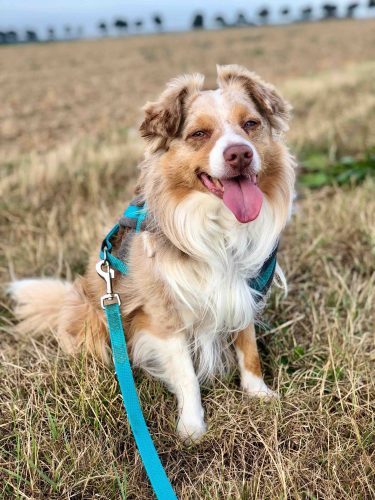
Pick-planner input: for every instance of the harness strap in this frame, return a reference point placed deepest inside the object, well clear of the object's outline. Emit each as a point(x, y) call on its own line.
point(106, 249)
point(263, 281)
point(138, 213)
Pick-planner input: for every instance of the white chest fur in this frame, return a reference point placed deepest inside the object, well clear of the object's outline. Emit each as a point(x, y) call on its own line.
point(210, 288)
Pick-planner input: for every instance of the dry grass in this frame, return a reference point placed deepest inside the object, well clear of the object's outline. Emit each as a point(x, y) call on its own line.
point(52, 94)
point(69, 165)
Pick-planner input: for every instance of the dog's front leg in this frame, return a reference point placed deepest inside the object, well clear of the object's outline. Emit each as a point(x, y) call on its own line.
point(168, 358)
point(249, 364)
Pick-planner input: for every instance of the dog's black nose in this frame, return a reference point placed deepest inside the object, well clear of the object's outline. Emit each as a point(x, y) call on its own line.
point(238, 156)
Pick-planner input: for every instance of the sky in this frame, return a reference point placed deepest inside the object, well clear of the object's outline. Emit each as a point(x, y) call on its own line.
point(177, 14)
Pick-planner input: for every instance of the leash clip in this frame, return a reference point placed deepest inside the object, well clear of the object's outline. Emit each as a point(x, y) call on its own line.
point(107, 273)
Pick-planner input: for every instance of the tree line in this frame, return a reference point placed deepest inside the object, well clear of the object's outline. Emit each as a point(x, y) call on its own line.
point(262, 16)
point(122, 26)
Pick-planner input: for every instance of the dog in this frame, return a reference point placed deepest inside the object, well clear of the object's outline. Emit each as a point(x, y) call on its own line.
point(218, 181)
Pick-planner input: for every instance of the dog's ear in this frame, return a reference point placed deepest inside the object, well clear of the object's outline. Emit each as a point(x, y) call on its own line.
point(163, 118)
point(268, 101)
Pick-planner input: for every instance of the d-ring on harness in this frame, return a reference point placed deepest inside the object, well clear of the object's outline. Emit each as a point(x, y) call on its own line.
point(134, 217)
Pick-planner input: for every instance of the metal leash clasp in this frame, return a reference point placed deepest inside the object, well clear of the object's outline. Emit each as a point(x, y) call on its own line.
point(107, 273)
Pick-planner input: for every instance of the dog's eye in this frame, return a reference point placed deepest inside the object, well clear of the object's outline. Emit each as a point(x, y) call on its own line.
point(199, 133)
point(250, 124)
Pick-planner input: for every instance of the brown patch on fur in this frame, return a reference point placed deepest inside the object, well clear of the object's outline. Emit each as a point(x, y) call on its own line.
point(276, 178)
point(269, 102)
point(82, 323)
point(140, 321)
point(203, 122)
point(240, 114)
point(246, 343)
point(146, 303)
point(180, 167)
point(163, 118)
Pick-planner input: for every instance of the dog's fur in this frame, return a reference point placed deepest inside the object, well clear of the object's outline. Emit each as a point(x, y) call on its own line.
point(186, 300)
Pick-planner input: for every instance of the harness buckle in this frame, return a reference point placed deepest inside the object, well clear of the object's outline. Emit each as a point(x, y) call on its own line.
point(107, 273)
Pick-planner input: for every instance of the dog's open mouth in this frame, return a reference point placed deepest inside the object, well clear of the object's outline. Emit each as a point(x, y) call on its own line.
point(240, 194)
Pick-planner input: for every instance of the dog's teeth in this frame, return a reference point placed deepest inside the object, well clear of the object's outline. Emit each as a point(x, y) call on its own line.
point(217, 183)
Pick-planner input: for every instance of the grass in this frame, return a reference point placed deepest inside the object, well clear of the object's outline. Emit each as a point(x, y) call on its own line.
point(69, 159)
point(318, 171)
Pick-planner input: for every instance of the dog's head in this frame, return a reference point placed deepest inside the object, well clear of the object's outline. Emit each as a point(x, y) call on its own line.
point(223, 142)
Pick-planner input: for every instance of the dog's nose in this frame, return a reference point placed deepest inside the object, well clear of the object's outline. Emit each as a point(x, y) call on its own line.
point(238, 156)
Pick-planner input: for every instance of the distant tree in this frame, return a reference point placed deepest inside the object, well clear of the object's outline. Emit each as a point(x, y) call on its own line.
point(67, 31)
point(263, 15)
point(121, 25)
point(51, 34)
point(351, 8)
point(329, 11)
point(31, 36)
point(241, 19)
point(11, 37)
point(285, 11)
point(3, 38)
point(371, 4)
point(221, 22)
point(102, 27)
point(138, 24)
point(198, 22)
point(158, 21)
point(306, 14)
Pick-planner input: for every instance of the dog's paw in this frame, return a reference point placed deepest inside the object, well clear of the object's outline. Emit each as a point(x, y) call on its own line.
point(254, 386)
point(191, 429)
point(266, 393)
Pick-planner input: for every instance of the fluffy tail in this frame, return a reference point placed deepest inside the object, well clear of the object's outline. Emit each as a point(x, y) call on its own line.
point(39, 303)
point(63, 308)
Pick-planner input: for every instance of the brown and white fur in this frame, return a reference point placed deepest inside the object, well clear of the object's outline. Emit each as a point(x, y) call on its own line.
point(186, 301)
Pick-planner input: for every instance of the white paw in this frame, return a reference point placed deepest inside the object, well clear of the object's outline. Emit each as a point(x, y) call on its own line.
point(266, 393)
point(255, 387)
point(191, 428)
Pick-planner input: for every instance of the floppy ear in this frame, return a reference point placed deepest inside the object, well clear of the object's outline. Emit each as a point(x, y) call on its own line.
point(164, 117)
point(269, 102)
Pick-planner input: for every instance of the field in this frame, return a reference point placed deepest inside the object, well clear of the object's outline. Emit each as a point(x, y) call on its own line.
point(69, 153)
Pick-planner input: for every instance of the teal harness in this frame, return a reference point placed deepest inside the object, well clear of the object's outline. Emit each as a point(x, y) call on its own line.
point(134, 218)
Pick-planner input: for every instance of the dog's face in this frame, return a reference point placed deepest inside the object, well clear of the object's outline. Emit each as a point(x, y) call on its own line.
point(223, 142)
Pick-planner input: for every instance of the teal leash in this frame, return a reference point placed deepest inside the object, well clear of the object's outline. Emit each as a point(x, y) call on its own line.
point(111, 302)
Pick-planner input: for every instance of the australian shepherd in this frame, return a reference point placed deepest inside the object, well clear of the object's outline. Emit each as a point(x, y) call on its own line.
point(218, 181)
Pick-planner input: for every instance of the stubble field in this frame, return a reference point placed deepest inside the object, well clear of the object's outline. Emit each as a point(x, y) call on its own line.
point(69, 154)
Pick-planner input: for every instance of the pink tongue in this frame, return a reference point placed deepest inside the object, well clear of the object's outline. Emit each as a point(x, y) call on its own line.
point(243, 198)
